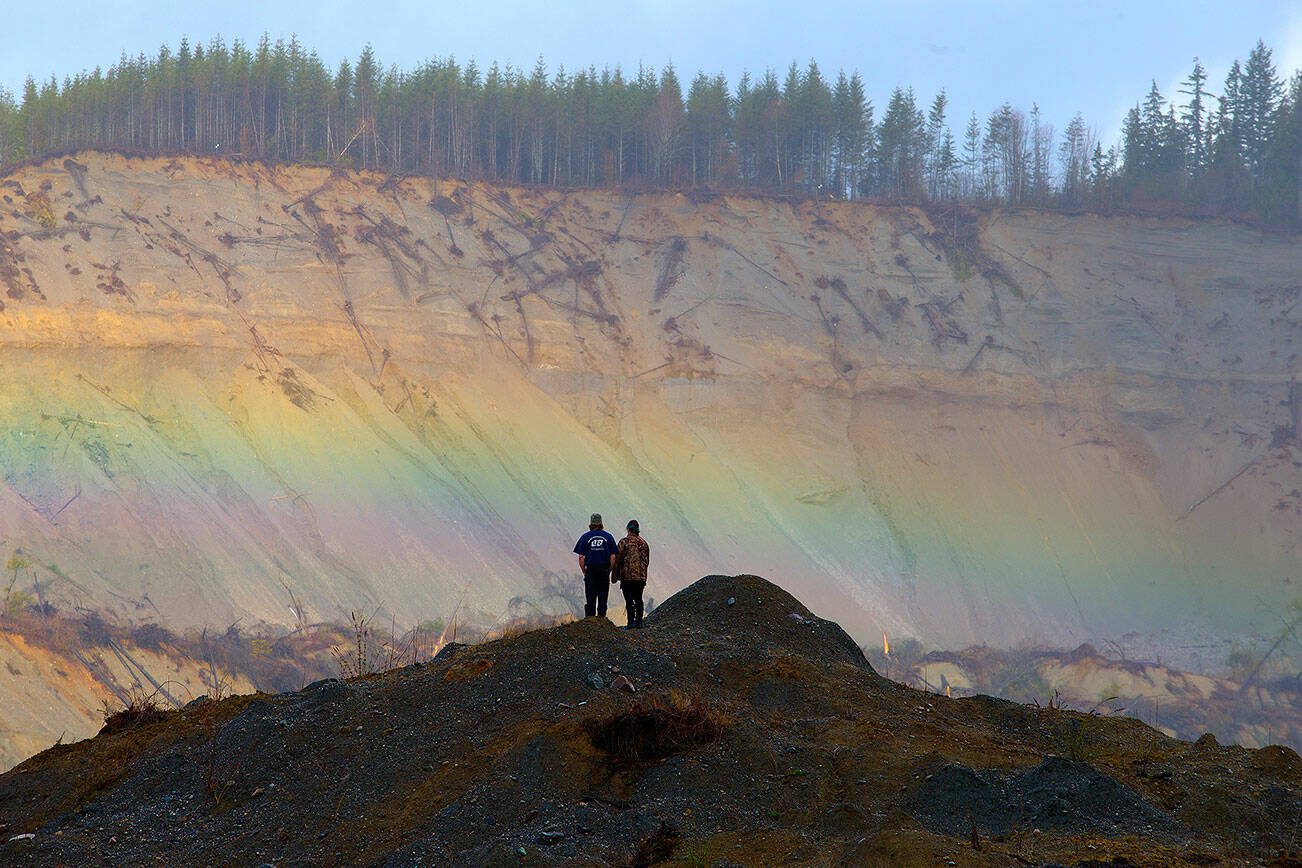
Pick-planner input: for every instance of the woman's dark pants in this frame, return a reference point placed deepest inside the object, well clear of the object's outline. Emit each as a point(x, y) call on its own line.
point(633, 601)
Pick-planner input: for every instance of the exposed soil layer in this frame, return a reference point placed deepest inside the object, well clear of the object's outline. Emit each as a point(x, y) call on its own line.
point(232, 392)
point(486, 755)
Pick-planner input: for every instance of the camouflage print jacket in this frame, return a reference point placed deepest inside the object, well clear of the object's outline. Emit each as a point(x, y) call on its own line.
point(634, 556)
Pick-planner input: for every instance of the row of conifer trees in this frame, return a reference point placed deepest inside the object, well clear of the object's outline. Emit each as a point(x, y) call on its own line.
point(1234, 151)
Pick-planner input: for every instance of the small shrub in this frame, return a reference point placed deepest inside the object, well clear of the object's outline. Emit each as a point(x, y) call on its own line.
point(1240, 663)
point(94, 630)
point(41, 210)
point(445, 206)
point(139, 709)
point(19, 601)
point(15, 564)
point(1077, 737)
point(372, 652)
point(356, 659)
point(150, 636)
point(215, 680)
point(657, 847)
point(1053, 703)
point(960, 264)
point(656, 726)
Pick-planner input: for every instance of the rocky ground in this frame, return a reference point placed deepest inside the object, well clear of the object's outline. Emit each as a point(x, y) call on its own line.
point(757, 734)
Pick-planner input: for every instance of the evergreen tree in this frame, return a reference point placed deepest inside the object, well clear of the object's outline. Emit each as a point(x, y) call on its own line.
point(1102, 177)
point(758, 130)
point(665, 126)
point(1041, 150)
point(1227, 181)
point(1230, 115)
point(707, 122)
point(1074, 158)
point(853, 119)
point(365, 86)
point(815, 119)
point(901, 140)
point(1004, 155)
point(1282, 163)
point(1152, 134)
point(32, 119)
point(340, 134)
point(1197, 129)
point(9, 150)
point(946, 167)
point(1259, 99)
point(933, 141)
point(972, 157)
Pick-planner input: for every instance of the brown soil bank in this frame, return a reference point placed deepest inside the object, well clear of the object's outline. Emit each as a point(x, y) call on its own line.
point(758, 735)
point(230, 391)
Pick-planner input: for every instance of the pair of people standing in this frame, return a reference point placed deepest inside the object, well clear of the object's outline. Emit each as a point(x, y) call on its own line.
point(604, 562)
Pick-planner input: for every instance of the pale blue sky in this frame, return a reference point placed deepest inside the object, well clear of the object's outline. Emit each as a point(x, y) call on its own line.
point(1093, 56)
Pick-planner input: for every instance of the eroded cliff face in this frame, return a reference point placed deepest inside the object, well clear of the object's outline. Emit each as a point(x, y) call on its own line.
point(56, 695)
point(229, 391)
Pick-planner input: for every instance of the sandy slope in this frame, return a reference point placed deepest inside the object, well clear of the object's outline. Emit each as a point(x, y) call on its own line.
point(52, 698)
point(223, 384)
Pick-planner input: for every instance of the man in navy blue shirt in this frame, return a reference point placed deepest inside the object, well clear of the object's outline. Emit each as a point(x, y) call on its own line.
point(596, 551)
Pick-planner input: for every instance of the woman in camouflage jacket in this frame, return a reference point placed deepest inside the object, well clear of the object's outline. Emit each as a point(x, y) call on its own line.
point(631, 562)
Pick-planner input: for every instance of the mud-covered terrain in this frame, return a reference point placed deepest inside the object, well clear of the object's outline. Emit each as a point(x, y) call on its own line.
point(231, 393)
point(758, 735)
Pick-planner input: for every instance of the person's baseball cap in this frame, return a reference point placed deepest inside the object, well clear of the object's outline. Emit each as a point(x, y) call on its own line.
point(632, 525)
point(595, 519)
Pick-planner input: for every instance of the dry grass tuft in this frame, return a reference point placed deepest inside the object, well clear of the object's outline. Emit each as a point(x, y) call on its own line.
point(139, 709)
point(372, 651)
point(788, 667)
point(657, 726)
point(468, 671)
point(520, 626)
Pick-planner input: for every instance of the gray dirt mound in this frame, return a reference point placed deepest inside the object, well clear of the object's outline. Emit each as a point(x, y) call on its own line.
point(761, 609)
point(1057, 794)
point(745, 733)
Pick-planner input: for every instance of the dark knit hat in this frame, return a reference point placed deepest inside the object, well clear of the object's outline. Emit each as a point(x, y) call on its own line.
point(632, 525)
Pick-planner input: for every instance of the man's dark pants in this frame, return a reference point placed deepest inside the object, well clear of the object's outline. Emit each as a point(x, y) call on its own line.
point(596, 587)
point(633, 601)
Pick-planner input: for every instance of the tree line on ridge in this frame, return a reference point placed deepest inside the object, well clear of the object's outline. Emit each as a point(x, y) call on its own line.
point(1235, 152)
